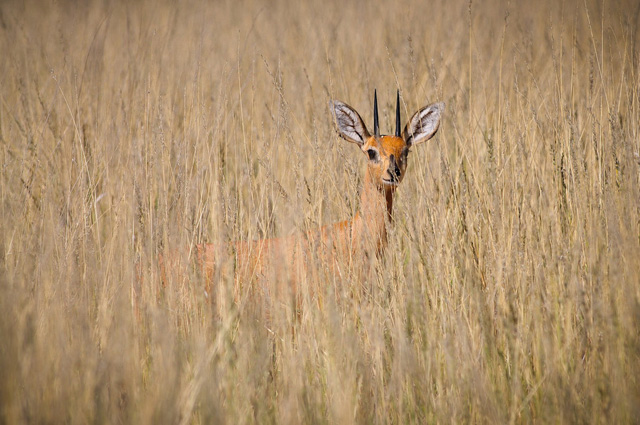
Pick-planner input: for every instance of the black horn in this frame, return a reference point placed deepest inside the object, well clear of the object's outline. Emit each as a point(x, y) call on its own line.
point(398, 114)
point(376, 128)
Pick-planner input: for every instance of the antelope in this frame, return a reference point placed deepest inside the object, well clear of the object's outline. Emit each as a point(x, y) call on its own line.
point(340, 243)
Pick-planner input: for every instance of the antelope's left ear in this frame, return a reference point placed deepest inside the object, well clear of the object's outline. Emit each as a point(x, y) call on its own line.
point(423, 124)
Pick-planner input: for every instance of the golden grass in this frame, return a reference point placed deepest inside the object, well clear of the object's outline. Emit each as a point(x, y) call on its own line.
point(510, 289)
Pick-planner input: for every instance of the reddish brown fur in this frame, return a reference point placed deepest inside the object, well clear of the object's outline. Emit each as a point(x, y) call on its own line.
point(270, 268)
point(274, 262)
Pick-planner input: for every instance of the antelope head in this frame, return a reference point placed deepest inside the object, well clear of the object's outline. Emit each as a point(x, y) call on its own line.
point(386, 154)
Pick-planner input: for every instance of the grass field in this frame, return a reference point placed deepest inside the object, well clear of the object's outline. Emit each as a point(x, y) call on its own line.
point(509, 291)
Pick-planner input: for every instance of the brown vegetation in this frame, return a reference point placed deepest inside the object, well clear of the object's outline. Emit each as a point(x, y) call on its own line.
point(509, 290)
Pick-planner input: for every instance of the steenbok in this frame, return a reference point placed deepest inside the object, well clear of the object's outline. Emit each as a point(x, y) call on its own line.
point(267, 267)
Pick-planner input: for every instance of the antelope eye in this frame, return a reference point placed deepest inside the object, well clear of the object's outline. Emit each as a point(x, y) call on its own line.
point(373, 155)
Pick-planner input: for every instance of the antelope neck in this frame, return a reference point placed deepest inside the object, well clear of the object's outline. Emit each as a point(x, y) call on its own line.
point(376, 202)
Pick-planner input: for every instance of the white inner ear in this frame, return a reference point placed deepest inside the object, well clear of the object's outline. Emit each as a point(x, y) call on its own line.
point(350, 125)
point(424, 124)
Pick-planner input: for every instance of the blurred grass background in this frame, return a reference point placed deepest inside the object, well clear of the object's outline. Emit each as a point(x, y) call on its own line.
point(509, 291)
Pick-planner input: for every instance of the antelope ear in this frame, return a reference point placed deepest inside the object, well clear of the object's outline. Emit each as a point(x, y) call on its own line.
point(350, 125)
point(423, 124)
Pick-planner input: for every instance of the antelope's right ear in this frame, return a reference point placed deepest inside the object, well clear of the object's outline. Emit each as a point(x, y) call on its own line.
point(350, 124)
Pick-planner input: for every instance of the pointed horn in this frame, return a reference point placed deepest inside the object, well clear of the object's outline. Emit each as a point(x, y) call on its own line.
point(376, 128)
point(398, 114)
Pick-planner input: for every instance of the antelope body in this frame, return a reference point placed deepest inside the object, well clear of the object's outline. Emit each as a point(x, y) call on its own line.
point(282, 261)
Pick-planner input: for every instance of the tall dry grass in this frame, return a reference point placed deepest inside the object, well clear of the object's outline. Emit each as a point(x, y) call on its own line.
point(509, 291)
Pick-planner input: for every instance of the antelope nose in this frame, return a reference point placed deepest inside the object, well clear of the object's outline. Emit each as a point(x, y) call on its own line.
point(395, 170)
